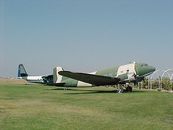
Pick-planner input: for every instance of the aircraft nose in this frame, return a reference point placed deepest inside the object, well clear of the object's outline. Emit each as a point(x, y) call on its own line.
point(153, 68)
point(144, 69)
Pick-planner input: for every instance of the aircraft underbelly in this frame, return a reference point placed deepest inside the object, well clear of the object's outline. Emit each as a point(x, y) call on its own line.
point(80, 83)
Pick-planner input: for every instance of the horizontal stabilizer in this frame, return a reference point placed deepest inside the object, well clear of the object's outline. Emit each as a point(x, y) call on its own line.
point(91, 78)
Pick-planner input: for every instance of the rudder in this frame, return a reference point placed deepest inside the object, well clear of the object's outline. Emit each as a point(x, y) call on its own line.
point(21, 71)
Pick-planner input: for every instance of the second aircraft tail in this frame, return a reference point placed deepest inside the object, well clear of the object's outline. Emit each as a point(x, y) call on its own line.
point(21, 71)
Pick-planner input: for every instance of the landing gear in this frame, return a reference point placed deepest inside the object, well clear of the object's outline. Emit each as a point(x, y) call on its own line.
point(121, 90)
point(128, 88)
point(124, 89)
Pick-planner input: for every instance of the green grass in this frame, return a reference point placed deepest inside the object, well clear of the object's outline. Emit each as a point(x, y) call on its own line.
point(37, 107)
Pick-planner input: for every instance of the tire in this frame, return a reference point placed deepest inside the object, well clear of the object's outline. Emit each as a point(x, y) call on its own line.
point(129, 89)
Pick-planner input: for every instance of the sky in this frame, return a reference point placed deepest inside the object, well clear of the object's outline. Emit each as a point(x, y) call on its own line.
point(84, 35)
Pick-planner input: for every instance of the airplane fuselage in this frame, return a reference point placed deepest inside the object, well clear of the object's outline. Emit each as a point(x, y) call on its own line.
point(34, 79)
point(132, 72)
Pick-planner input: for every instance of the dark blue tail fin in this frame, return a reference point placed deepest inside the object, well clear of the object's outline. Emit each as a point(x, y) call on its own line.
point(21, 71)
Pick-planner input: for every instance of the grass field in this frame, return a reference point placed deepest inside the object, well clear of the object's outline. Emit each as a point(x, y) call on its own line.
point(37, 107)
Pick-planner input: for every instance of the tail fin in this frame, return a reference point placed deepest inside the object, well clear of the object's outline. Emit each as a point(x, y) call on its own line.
point(56, 77)
point(21, 71)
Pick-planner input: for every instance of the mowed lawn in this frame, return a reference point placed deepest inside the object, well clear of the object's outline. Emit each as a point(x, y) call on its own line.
point(39, 107)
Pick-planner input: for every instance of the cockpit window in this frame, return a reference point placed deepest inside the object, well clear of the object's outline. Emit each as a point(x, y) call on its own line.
point(144, 65)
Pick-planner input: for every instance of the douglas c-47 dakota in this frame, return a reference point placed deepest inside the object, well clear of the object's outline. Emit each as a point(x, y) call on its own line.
point(122, 75)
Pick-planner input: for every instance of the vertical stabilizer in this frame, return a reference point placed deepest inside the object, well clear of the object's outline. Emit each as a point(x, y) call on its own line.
point(21, 71)
point(56, 77)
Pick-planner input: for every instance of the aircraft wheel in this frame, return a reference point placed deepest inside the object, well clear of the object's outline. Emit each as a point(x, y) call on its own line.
point(120, 91)
point(129, 89)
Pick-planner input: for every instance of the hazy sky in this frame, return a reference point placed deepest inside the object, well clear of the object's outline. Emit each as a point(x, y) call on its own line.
point(84, 35)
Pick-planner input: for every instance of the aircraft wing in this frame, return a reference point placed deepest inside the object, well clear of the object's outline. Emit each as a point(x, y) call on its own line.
point(91, 78)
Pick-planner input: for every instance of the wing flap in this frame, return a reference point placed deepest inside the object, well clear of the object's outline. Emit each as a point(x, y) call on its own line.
point(91, 78)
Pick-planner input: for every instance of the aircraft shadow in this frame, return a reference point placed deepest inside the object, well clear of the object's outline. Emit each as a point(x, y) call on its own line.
point(85, 91)
point(91, 92)
point(101, 92)
point(58, 88)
